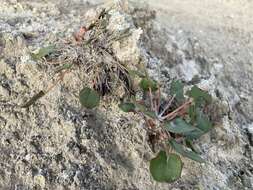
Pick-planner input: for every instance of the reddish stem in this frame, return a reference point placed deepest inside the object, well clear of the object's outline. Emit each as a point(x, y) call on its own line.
point(179, 111)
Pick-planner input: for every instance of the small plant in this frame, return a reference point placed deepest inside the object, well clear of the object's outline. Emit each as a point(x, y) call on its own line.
point(171, 124)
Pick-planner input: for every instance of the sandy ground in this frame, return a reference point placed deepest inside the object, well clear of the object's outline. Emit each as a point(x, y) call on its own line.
point(224, 22)
point(217, 13)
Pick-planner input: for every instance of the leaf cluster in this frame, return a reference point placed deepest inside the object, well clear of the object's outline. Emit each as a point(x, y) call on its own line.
point(188, 123)
point(180, 123)
point(176, 122)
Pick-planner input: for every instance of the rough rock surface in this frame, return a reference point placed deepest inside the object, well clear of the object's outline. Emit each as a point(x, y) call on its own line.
point(57, 145)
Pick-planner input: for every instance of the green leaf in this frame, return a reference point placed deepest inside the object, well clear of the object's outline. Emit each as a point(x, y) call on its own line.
point(179, 126)
point(177, 88)
point(194, 134)
point(190, 145)
point(192, 113)
point(165, 168)
point(127, 107)
point(202, 127)
point(186, 153)
point(145, 84)
point(33, 99)
point(43, 52)
point(200, 96)
point(89, 98)
point(203, 122)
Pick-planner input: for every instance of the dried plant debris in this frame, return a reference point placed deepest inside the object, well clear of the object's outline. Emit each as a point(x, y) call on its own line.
point(91, 52)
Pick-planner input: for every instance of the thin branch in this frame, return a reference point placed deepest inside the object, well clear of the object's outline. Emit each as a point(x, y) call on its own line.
point(174, 114)
point(168, 105)
point(159, 98)
point(151, 99)
point(155, 106)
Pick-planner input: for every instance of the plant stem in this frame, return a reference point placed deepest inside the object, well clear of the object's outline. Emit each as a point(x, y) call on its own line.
point(173, 114)
point(167, 106)
point(151, 99)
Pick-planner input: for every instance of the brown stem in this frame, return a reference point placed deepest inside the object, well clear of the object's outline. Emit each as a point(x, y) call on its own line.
point(168, 105)
point(159, 98)
point(177, 111)
point(151, 99)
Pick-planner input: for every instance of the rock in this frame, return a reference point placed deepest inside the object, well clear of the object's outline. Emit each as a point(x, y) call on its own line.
point(189, 70)
point(250, 133)
point(126, 49)
point(15, 46)
point(40, 180)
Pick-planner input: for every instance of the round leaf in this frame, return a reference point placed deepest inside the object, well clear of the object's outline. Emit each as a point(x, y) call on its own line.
point(89, 98)
point(165, 168)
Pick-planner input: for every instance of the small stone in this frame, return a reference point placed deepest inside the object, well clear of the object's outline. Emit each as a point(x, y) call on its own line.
point(247, 181)
point(15, 46)
point(189, 69)
point(40, 180)
point(250, 128)
point(3, 92)
point(250, 133)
